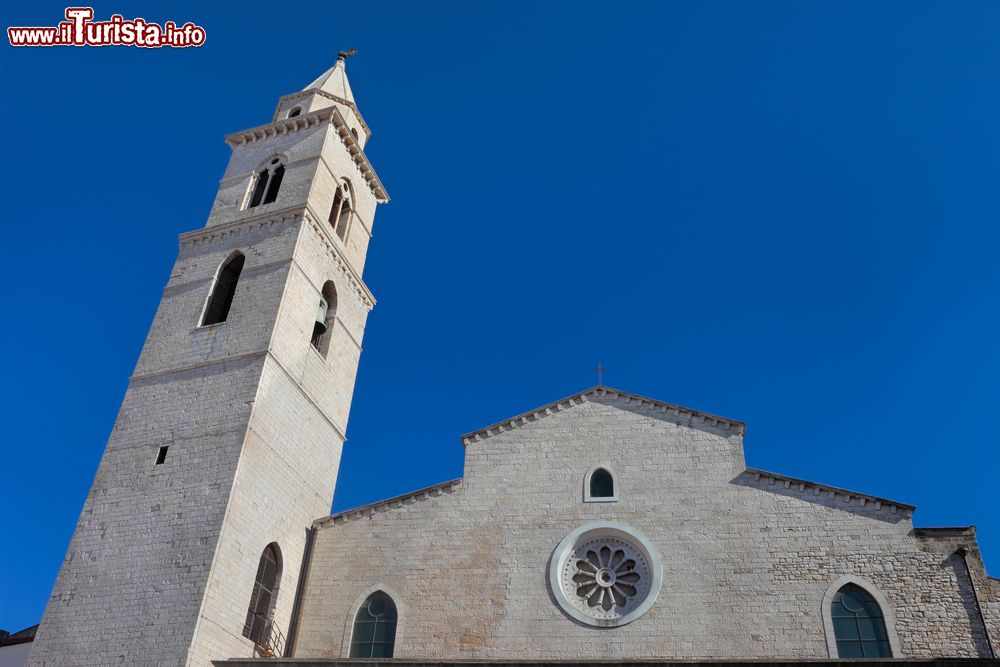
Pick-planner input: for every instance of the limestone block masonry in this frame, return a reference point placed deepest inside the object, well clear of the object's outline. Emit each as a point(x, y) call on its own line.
point(684, 553)
point(162, 565)
point(748, 557)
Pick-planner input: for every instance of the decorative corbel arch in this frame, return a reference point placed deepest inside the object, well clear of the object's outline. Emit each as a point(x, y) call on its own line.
point(345, 643)
point(888, 613)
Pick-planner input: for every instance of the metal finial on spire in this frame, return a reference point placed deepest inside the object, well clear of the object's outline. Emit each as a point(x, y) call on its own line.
point(344, 55)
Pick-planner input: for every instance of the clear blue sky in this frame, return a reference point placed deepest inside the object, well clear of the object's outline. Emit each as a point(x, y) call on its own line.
point(780, 212)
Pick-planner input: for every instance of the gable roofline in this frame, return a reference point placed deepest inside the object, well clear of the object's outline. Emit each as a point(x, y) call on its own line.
point(389, 503)
point(833, 492)
point(599, 391)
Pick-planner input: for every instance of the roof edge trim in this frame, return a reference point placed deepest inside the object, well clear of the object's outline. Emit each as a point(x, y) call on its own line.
point(370, 509)
point(848, 496)
point(599, 391)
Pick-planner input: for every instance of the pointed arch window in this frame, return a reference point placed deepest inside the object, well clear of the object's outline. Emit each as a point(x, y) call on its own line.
point(267, 183)
point(325, 316)
point(294, 111)
point(858, 624)
point(265, 592)
point(374, 633)
point(223, 290)
point(599, 485)
point(340, 212)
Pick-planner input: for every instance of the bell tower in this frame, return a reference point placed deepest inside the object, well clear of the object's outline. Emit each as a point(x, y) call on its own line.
point(228, 441)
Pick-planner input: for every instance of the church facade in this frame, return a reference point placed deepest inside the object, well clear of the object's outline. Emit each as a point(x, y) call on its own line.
point(603, 526)
point(702, 557)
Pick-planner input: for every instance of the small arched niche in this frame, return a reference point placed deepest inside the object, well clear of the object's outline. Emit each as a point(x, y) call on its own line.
point(600, 485)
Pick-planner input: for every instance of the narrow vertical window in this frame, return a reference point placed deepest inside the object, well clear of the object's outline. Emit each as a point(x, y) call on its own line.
point(265, 588)
point(374, 634)
point(161, 455)
point(326, 313)
point(858, 624)
point(274, 184)
point(259, 188)
point(223, 291)
point(340, 212)
point(267, 183)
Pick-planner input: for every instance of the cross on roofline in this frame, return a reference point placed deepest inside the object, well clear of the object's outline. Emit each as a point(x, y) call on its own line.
point(600, 372)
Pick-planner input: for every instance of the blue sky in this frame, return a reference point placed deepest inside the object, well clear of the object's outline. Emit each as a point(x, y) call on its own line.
point(780, 212)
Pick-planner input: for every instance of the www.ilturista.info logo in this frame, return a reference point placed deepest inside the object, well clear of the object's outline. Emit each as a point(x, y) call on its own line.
point(81, 30)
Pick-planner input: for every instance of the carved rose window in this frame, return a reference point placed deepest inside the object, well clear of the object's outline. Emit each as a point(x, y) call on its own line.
point(606, 578)
point(605, 574)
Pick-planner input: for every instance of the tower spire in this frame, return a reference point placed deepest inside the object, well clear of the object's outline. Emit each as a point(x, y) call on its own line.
point(334, 80)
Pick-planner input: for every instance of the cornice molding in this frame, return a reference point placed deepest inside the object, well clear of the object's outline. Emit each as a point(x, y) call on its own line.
point(695, 417)
point(215, 233)
point(316, 118)
point(353, 279)
point(336, 98)
point(847, 496)
point(435, 491)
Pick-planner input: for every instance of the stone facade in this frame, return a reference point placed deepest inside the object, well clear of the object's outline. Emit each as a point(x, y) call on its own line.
point(748, 556)
point(162, 564)
point(738, 563)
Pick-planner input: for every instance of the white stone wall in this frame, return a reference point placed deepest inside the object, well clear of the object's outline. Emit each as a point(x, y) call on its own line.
point(131, 583)
point(162, 564)
point(746, 563)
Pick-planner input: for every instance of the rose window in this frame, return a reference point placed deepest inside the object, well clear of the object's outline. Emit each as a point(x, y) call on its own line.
point(606, 578)
point(605, 574)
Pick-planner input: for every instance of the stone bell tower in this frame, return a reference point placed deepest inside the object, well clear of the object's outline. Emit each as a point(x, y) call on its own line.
point(228, 441)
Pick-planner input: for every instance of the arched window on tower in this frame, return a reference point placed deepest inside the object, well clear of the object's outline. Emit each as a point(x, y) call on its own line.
point(374, 634)
point(265, 592)
point(294, 111)
point(326, 313)
point(858, 624)
point(223, 290)
point(267, 183)
point(340, 212)
point(599, 485)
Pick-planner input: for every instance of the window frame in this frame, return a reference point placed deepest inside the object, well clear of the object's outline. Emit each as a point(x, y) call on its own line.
point(329, 294)
point(359, 602)
point(252, 611)
point(223, 265)
point(888, 614)
point(263, 178)
point(588, 498)
point(338, 218)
